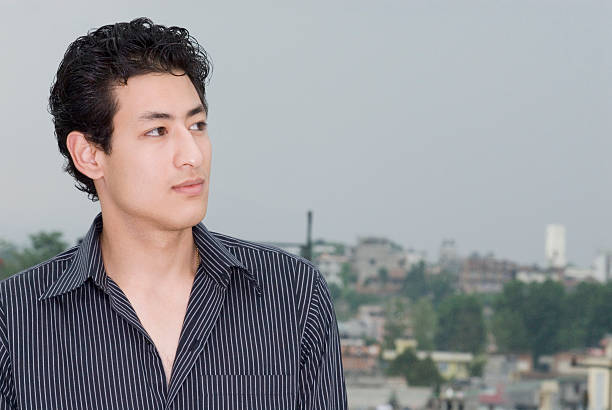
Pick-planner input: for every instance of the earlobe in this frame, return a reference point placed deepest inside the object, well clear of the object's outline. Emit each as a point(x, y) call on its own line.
point(83, 155)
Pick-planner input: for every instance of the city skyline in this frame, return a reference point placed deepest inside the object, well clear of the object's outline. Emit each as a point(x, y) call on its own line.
point(417, 121)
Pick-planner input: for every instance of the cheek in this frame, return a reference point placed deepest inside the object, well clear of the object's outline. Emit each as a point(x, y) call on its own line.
point(206, 148)
point(136, 177)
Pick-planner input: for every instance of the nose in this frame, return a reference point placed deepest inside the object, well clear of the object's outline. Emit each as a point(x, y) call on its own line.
point(187, 151)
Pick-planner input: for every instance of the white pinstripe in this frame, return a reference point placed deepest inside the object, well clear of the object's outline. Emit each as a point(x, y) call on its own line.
point(260, 332)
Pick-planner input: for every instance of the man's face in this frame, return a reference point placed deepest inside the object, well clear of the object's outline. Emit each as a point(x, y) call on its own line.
point(160, 140)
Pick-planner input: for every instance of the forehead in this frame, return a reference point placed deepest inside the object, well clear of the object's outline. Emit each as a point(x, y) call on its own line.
point(163, 92)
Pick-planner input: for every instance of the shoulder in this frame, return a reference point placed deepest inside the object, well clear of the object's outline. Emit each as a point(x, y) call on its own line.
point(30, 283)
point(268, 259)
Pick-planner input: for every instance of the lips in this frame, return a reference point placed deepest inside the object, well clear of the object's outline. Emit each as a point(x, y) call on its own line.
point(193, 187)
point(190, 182)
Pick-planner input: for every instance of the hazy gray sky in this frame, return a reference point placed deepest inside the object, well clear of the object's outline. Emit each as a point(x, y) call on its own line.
point(481, 121)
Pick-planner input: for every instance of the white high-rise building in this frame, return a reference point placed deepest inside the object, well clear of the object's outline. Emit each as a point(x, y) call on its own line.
point(602, 266)
point(555, 246)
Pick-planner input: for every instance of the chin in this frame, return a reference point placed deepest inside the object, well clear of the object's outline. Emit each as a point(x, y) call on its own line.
point(183, 218)
point(194, 216)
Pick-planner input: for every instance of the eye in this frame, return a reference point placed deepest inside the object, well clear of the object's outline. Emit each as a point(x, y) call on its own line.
point(157, 132)
point(200, 126)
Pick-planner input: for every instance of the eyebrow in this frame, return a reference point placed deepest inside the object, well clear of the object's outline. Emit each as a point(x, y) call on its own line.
point(154, 115)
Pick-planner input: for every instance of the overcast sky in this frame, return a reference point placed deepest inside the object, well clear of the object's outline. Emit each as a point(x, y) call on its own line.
point(481, 121)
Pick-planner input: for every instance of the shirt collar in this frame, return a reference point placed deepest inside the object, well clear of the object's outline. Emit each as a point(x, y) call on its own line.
point(215, 258)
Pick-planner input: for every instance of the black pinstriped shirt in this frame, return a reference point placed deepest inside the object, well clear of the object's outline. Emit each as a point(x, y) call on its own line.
point(260, 332)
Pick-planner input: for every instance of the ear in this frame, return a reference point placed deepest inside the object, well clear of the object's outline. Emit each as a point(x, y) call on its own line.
point(85, 155)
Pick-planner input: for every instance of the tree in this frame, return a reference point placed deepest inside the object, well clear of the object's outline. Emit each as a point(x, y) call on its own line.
point(600, 315)
point(403, 363)
point(476, 366)
point(510, 332)
point(416, 372)
point(461, 325)
point(347, 300)
point(425, 323)
point(8, 258)
point(415, 284)
point(507, 323)
point(541, 318)
point(585, 309)
point(578, 309)
point(424, 373)
point(335, 292)
point(441, 286)
point(396, 321)
point(383, 275)
point(44, 245)
point(418, 284)
point(347, 275)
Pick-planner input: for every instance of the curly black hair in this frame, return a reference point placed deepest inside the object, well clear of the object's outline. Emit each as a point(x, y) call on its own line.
point(81, 96)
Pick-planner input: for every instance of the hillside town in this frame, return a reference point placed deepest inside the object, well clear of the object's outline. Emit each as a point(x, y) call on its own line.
point(417, 334)
point(455, 333)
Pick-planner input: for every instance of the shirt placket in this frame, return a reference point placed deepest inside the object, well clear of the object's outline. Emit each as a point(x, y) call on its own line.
point(153, 366)
point(204, 307)
point(203, 310)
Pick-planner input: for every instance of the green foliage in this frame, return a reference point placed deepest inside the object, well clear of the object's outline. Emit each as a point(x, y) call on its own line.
point(403, 363)
point(425, 323)
point(461, 324)
point(396, 321)
point(335, 292)
point(348, 276)
point(441, 286)
point(44, 245)
point(415, 284)
point(383, 275)
point(425, 373)
point(510, 331)
point(369, 341)
point(476, 366)
point(347, 300)
point(589, 310)
point(543, 318)
point(543, 312)
point(416, 372)
point(419, 284)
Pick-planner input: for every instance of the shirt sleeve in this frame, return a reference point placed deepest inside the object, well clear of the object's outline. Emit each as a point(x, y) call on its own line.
point(321, 378)
point(6, 373)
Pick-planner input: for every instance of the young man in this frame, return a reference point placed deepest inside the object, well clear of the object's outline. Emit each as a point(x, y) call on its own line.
point(152, 310)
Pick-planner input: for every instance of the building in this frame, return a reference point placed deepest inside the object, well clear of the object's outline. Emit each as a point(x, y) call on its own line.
point(451, 365)
point(602, 266)
point(485, 274)
point(555, 246)
point(373, 254)
point(358, 358)
point(401, 344)
point(576, 274)
point(530, 274)
point(374, 393)
point(448, 260)
point(369, 322)
point(330, 266)
point(599, 366)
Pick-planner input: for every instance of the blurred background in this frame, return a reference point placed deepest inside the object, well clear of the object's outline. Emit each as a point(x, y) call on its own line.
point(453, 156)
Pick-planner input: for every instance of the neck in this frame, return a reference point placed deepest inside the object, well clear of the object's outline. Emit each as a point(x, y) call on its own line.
point(139, 253)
